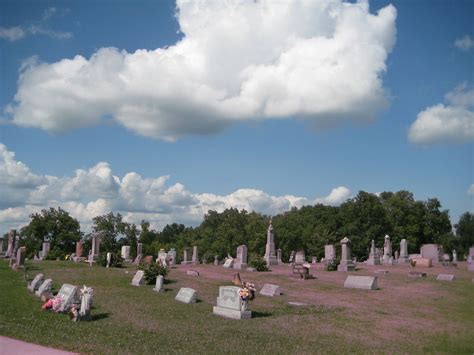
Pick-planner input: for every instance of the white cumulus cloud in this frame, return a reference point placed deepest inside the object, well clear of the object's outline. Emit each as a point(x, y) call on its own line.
point(470, 191)
point(238, 60)
point(452, 122)
point(96, 191)
point(465, 43)
point(12, 33)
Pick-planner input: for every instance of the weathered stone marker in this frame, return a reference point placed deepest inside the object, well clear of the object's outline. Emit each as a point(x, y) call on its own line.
point(139, 278)
point(230, 304)
point(186, 295)
point(270, 256)
point(241, 260)
point(159, 284)
point(361, 282)
point(44, 288)
point(270, 290)
point(36, 283)
point(69, 294)
point(445, 277)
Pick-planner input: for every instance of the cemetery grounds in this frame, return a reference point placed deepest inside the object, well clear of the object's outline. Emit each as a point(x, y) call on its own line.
point(405, 315)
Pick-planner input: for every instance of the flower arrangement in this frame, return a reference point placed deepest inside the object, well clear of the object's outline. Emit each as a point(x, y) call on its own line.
point(247, 292)
point(55, 304)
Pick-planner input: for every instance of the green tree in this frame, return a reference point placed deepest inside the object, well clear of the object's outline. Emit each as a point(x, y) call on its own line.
point(465, 231)
point(115, 232)
point(55, 226)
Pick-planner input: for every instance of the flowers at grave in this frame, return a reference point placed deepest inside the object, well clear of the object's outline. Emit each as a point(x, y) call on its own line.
point(247, 292)
point(73, 313)
point(55, 304)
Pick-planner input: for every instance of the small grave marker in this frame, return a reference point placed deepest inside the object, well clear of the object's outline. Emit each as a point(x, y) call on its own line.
point(186, 295)
point(445, 277)
point(361, 282)
point(139, 278)
point(270, 290)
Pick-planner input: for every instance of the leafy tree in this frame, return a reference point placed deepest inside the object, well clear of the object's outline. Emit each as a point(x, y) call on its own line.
point(115, 232)
point(465, 231)
point(55, 226)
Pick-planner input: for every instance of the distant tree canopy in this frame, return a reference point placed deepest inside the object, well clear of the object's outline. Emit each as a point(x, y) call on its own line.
point(55, 226)
point(365, 217)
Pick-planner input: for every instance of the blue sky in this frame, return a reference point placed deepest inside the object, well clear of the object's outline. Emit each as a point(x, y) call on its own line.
point(256, 151)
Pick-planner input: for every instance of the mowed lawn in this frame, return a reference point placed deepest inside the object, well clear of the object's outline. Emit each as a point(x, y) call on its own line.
point(406, 315)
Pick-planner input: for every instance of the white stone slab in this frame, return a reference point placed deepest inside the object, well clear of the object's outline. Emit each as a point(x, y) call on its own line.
point(270, 290)
point(36, 283)
point(229, 263)
point(230, 304)
point(192, 273)
point(139, 278)
point(445, 277)
point(361, 282)
point(186, 295)
point(69, 294)
point(159, 283)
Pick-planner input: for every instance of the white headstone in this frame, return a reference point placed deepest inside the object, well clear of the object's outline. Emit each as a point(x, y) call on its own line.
point(139, 278)
point(109, 258)
point(361, 282)
point(241, 260)
point(44, 288)
point(159, 283)
point(445, 277)
point(36, 283)
point(329, 252)
point(229, 262)
point(186, 295)
point(300, 257)
point(126, 252)
point(171, 256)
point(230, 304)
point(270, 290)
point(69, 294)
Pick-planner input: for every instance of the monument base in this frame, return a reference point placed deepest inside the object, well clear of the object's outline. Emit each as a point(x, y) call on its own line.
point(231, 313)
point(373, 261)
point(346, 267)
point(240, 266)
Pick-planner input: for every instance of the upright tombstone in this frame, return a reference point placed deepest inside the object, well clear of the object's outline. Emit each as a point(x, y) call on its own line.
point(230, 304)
point(70, 296)
point(292, 257)
point(45, 250)
point(45, 287)
point(403, 252)
point(138, 278)
point(36, 283)
point(186, 256)
point(346, 263)
point(109, 259)
point(300, 257)
point(159, 284)
point(125, 252)
point(216, 260)
point(387, 250)
point(280, 262)
point(79, 249)
point(20, 256)
point(195, 258)
point(241, 260)
point(431, 251)
point(470, 259)
point(186, 295)
point(11, 244)
point(171, 257)
point(139, 249)
point(373, 257)
point(397, 255)
point(455, 257)
point(270, 256)
point(162, 257)
point(329, 252)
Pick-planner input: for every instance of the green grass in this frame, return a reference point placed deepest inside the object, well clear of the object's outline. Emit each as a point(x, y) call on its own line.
point(129, 319)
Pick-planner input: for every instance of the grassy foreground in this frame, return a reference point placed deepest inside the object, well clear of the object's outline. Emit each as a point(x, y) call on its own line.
point(130, 319)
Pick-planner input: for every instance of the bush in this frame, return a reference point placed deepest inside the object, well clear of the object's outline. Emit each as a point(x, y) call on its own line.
point(152, 271)
point(115, 260)
point(55, 254)
point(258, 263)
point(331, 264)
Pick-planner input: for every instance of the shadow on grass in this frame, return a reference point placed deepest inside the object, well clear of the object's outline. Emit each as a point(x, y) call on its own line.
point(99, 316)
point(257, 314)
point(167, 282)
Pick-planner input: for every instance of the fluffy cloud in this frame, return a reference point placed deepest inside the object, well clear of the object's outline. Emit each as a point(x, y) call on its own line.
point(465, 43)
point(450, 123)
point(238, 60)
point(12, 33)
point(470, 191)
point(96, 191)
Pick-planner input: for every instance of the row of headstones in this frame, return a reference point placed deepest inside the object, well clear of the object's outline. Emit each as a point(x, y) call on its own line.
point(19, 260)
point(69, 293)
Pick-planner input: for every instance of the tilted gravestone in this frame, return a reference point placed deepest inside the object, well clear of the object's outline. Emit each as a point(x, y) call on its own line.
point(44, 288)
point(138, 278)
point(36, 283)
point(270, 290)
point(361, 282)
point(230, 304)
point(69, 294)
point(159, 284)
point(445, 277)
point(229, 263)
point(186, 295)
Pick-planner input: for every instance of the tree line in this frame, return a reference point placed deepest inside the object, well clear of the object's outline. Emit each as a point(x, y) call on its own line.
point(365, 217)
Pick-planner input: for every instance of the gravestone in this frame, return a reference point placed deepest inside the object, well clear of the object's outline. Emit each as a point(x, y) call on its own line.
point(36, 283)
point(44, 288)
point(171, 257)
point(416, 274)
point(387, 250)
point(431, 251)
point(383, 272)
point(70, 296)
point(403, 252)
point(314, 260)
point(195, 257)
point(186, 256)
point(292, 257)
point(11, 244)
point(300, 257)
point(159, 284)
point(138, 278)
point(241, 260)
point(20, 256)
point(397, 255)
point(109, 259)
point(445, 277)
point(95, 246)
point(125, 252)
point(45, 250)
point(229, 263)
point(270, 256)
point(216, 260)
point(79, 249)
point(186, 295)
point(230, 304)
point(192, 273)
point(280, 262)
point(162, 257)
point(373, 257)
point(329, 252)
point(361, 282)
point(139, 249)
point(270, 290)
point(423, 262)
point(455, 257)
point(346, 263)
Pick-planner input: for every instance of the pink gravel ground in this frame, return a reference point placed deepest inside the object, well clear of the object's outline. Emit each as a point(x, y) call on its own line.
point(9, 346)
